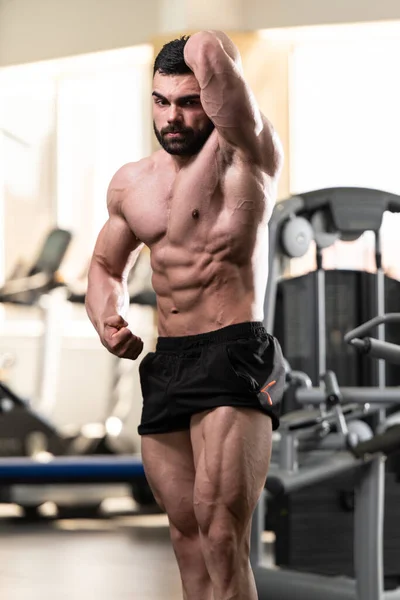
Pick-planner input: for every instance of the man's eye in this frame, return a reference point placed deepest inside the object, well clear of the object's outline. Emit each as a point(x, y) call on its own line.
point(159, 101)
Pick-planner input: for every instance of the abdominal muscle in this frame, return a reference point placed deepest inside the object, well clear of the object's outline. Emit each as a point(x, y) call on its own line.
point(207, 231)
point(198, 293)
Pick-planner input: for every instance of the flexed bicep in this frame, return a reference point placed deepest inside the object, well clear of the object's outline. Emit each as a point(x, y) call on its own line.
point(228, 100)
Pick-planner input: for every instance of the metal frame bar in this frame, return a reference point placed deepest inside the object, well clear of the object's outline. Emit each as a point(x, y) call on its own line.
point(285, 584)
point(368, 530)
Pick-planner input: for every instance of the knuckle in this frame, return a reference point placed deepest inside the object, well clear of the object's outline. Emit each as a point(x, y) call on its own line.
point(114, 345)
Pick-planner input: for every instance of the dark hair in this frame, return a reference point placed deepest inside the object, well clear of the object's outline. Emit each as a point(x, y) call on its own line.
point(170, 60)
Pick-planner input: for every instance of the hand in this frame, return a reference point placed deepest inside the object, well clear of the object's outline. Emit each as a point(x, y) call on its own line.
point(119, 340)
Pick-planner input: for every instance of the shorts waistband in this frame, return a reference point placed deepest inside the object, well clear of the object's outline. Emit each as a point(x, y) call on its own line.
point(225, 334)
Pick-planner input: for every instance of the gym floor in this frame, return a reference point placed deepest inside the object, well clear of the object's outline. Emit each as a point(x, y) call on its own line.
point(123, 558)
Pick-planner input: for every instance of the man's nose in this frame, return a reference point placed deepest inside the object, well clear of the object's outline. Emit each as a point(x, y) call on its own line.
point(174, 113)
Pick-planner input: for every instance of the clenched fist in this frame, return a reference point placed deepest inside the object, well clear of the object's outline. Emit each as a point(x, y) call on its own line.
point(119, 340)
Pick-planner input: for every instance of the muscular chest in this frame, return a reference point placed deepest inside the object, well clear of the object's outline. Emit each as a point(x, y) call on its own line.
point(211, 202)
point(195, 201)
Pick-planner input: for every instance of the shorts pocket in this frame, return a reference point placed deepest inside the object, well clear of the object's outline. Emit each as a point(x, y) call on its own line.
point(146, 360)
point(145, 373)
point(251, 361)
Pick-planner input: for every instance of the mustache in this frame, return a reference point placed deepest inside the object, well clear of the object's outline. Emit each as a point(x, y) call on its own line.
point(175, 130)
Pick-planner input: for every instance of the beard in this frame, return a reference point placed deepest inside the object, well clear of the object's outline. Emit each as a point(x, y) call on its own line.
point(188, 143)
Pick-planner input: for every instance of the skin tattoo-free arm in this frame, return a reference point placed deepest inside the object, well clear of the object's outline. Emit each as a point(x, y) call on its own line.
point(228, 100)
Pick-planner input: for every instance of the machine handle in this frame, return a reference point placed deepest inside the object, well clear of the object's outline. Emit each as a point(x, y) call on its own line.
point(360, 331)
point(388, 443)
point(378, 349)
point(316, 396)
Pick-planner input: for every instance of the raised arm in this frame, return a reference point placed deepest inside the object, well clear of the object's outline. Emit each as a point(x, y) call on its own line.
point(228, 100)
point(107, 298)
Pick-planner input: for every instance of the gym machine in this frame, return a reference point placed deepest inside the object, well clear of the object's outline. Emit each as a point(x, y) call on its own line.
point(25, 431)
point(31, 445)
point(315, 310)
point(306, 455)
point(340, 450)
point(70, 469)
point(67, 474)
point(22, 429)
point(314, 313)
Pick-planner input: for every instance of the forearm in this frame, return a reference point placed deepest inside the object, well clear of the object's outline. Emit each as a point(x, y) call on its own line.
point(106, 295)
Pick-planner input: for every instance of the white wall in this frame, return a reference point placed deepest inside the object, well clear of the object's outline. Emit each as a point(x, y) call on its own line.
point(81, 119)
point(103, 118)
point(33, 30)
point(27, 111)
point(262, 14)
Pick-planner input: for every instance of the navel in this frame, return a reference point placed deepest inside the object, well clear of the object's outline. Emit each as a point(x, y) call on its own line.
point(195, 214)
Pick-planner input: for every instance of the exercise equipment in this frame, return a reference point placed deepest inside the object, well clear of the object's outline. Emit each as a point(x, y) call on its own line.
point(78, 473)
point(26, 285)
point(314, 465)
point(311, 313)
point(69, 469)
point(376, 348)
point(342, 450)
point(27, 433)
point(23, 430)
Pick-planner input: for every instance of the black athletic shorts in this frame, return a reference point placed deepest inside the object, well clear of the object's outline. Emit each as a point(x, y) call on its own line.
point(240, 365)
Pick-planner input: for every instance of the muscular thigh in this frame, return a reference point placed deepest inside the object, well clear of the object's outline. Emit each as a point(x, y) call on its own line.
point(232, 448)
point(169, 467)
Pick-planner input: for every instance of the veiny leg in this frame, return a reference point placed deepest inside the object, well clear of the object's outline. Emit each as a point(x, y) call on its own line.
point(232, 449)
point(169, 467)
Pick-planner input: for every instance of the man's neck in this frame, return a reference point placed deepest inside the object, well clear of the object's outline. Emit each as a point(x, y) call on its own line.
point(181, 161)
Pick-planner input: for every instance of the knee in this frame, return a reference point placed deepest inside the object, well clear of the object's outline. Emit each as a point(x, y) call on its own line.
point(224, 537)
point(218, 521)
point(221, 542)
point(183, 536)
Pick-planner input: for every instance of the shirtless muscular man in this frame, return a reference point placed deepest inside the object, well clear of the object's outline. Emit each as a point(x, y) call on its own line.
point(202, 205)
